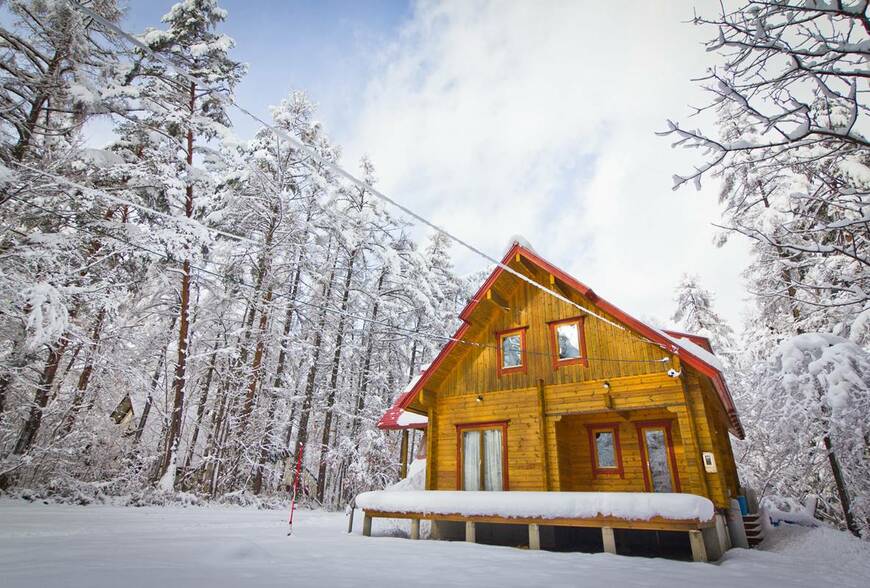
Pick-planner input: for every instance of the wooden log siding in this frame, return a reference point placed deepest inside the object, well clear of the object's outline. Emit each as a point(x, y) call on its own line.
point(547, 409)
point(569, 409)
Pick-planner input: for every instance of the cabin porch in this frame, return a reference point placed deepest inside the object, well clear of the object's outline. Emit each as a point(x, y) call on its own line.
point(627, 451)
point(611, 522)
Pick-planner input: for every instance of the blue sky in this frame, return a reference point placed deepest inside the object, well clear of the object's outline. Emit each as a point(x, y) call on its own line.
point(326, 48)
point(496, 119)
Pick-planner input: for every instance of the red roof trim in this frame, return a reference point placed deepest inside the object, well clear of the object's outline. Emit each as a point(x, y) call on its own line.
point(390, 420)
point(652, 334)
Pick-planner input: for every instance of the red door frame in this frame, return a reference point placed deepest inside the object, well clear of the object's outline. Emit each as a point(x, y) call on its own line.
point(644, 454)
point(461, 428)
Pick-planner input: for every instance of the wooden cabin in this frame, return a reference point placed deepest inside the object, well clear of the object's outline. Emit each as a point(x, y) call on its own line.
point(536, 394)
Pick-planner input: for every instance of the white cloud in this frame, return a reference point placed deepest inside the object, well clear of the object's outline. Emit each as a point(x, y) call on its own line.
point(498, 118)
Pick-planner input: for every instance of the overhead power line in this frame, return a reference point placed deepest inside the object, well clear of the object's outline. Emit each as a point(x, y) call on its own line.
point(411, 333)
point(282, 134)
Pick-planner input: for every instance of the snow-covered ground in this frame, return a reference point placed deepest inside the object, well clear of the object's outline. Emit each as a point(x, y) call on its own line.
point(60, 545)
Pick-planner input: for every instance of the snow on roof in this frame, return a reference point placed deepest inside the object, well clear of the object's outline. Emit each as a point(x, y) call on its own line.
point(519, 240)
point(695, 350)
point(409, 419)
point(396, 416)
point(641, 506)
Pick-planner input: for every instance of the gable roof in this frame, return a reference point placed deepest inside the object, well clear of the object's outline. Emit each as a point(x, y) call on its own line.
point(693, 350)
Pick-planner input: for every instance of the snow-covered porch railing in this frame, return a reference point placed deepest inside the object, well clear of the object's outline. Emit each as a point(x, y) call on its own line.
point(689, 513)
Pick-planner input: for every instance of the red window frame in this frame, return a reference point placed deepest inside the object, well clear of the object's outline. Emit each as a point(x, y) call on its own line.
point(524, 366)
point(554, 343)
point(462, 428)
point(617, 448)
point(644, 456)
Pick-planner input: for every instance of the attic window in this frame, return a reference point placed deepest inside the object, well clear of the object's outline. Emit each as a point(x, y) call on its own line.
point(512, 351)
point(568, 342)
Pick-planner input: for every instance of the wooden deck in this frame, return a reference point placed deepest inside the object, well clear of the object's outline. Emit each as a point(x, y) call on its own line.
point(701, 533)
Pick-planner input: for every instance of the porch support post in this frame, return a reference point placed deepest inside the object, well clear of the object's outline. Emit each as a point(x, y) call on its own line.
point(722, 533)
point(712, 544)
point(534, 536)
point(470, 532)
point(367, 525)
point(403, 455)
point(350, 518)
point(699, 551)
point(431, 446)
point(435, 530)
point(415, 528)
point(608, 539)
point(542, 412)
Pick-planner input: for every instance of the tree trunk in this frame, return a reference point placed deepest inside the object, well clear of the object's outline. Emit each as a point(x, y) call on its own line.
point(200, 409)
point(215, 466)
point(34, 418)
point(25, 131)
point(262, 270)
point(302, 436)
point(5, 380)
point(845, 501)
point(213, 439)
point(362, 390)
point(333, 379)
point(367, 364)
point(85, 376)
point(155, 379)
point(68, 368)
point(412, 366)
point(278, 381)
point(264, 445)
point(257, 362)
point(174, 432)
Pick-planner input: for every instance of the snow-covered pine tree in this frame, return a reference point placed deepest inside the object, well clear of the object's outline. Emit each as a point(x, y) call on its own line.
point(185, 113)
point(52, 60)
point(790, 147)
point(296, 331)
point(695, 314)
point(788, 142)
point(816, 401)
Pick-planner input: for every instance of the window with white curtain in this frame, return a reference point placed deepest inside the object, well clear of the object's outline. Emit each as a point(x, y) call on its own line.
point(482, 459)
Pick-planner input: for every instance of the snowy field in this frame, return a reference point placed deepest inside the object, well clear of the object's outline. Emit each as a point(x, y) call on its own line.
point(94, 546)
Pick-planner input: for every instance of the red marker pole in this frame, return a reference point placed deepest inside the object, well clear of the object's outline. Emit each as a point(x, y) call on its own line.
point(295, 486)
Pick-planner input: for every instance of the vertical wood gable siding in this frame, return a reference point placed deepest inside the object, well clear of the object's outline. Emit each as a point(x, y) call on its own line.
point(477, 370)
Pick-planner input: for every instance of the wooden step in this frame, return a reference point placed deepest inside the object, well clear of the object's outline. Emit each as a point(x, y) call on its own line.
point(754, 530)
